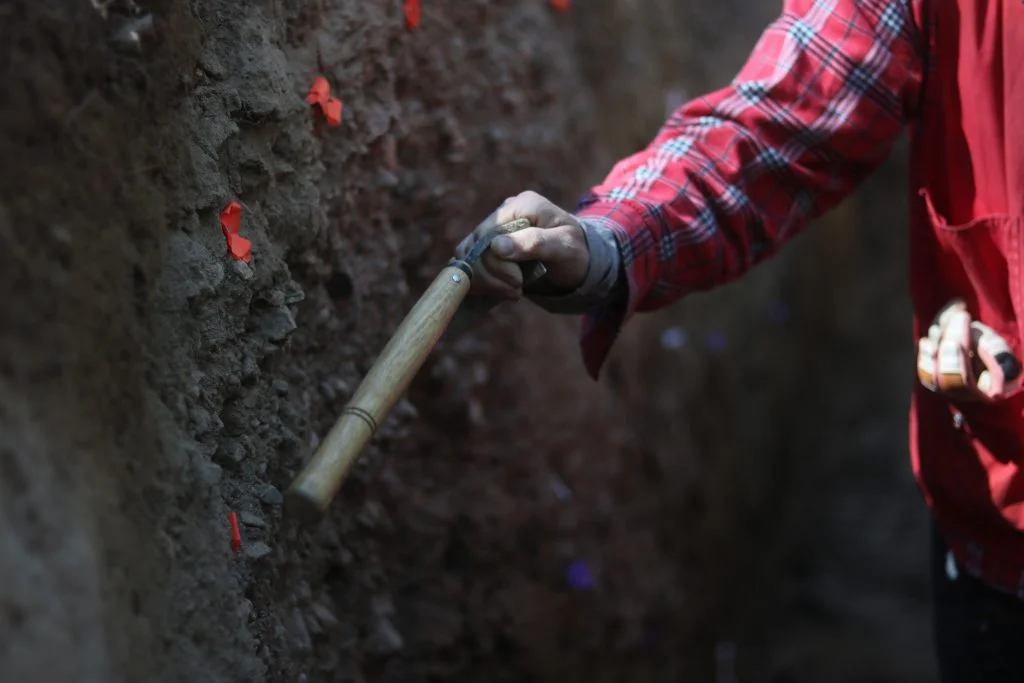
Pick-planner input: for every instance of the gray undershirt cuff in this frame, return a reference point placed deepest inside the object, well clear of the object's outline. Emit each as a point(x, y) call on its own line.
point(602, 274)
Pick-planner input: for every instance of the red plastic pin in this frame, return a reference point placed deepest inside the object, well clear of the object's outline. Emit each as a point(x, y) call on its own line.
point(231, 219)
point(332, 111)
point(319, 91)
point(412, 14)
point(240, 248)
point(236, 535)
point(230, 222)
point(319, 95)
point(561, 5)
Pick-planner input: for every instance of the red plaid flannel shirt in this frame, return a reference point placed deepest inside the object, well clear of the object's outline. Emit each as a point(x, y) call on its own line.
point(732, 176)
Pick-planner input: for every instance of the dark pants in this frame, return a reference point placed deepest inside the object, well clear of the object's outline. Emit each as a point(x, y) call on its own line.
point(979, 632)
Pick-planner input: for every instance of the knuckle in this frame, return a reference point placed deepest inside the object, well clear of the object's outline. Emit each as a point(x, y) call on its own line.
point(533, 241)
point(487, 266)
point(572, 239)
point(507, 273)
point(489, 284)
point(533, 202)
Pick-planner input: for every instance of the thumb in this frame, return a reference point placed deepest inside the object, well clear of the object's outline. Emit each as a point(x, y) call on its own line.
point(504, 246)
point(535, 244)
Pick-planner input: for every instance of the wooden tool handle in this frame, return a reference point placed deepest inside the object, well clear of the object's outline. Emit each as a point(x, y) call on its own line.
point(387, 380)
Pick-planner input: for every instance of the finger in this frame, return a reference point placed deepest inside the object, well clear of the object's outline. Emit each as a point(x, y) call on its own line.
point(508, 272)
point(1001, 368)
point(946, 314)
point(987, 345)
point(486, 283)
point(927, 363)
point(490, 276)
point(541, 212)
point(530, 205)
point(991, 344)
point(955, 372)
point(485, 226)
point(538, 244)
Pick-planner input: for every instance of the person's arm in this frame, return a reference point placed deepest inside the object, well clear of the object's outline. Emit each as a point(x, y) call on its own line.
point(732, 176)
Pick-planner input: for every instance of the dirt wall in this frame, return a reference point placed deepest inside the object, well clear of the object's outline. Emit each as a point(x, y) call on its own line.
point(149, 384)
point(152, 384)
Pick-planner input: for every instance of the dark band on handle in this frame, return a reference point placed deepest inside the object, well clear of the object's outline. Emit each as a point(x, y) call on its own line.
point(463, 266)
point(362, 415)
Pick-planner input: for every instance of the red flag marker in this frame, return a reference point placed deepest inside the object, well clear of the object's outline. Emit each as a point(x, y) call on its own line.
point(236, 535)
point(319, 91)
point(230, 222)
point(240, 248)
point(412, 14)
point(332, 111)
point(231, 219)
point(320, 96)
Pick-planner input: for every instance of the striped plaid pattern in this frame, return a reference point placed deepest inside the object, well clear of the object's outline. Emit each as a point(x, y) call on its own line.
point(732, 176)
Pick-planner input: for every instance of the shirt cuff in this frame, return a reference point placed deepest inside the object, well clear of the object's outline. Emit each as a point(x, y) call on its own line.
point(602, 274)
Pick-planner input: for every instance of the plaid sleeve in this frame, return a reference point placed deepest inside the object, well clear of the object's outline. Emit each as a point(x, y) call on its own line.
point(732, 176)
